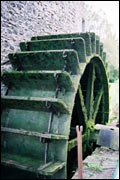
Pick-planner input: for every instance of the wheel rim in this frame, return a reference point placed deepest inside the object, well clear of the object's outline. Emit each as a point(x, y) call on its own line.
point(94, 89)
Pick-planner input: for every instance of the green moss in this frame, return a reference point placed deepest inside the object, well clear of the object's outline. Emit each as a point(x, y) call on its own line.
point(96, 167)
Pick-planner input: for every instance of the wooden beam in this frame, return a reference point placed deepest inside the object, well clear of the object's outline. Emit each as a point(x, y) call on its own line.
point(48, 170)
point(35, 134)
point(73, 143)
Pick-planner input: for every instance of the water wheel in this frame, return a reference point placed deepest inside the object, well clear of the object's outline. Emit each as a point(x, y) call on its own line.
point(58, 82)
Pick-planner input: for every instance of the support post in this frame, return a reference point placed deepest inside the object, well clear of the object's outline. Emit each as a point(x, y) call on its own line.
point(79, 139)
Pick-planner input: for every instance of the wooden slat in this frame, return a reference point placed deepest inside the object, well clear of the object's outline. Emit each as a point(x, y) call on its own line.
point(77, 44)
point(31, 133)
point(52, 168)
point(51, 60)
point(48, 169)
point(34, 103)
point(38, 80)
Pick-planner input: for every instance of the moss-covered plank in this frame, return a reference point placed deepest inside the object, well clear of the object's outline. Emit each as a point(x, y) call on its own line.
point(93, 42)
point(29, 120)
point(77, 44)
point(101, 49)
point(52, 169)
point(31, 165)
point(23, 145)
point(97, 45)
point(34, 103)
point(33, 134)
point(20, 162)
point(104, 56)
point(37, 80)
point(33, 147)
point(85, 36)
point(64, 60)
point(56, 36)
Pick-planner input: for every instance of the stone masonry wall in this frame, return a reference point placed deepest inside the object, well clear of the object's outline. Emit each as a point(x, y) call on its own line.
point(20, 20)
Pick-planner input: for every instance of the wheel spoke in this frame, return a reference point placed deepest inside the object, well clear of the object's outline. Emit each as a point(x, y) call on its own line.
point(90, 89)
point(97, 102)
point(84, 110)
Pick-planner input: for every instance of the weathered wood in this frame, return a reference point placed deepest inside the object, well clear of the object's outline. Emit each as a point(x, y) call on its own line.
point(101, 49)
point(53, 168)
point(90, 89)
point(98, 45)
point(93, 42)
point(34, 103)
point(77, 44)
point(85, 36)
point(48, 170)
point(35, 134)
point(52, 60)
point(97, 102)
point(45, 99)
point(104, 56)
point(38, 80)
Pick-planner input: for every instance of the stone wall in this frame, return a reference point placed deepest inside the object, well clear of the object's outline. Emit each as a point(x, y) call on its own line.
point(20, 20)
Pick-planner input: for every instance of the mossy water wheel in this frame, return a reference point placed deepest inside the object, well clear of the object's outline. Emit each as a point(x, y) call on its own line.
point(59, 82)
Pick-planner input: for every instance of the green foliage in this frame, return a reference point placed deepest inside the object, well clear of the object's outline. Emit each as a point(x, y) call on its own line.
point(110, 120)
point(113, 73)
point(95, 167)
point(99, 24)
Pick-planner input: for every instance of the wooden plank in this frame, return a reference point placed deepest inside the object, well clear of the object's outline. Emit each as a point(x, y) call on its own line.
point(34, 103)
point(52, 168)
point(48, 170)
point(98, 45)
point(85, 36)
point(51, 60)
point(101, 49)
point(38, 80)
point(20, 162)
point(104, 56)
point(93, 42)
point(77, 44)
point(35, 134)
